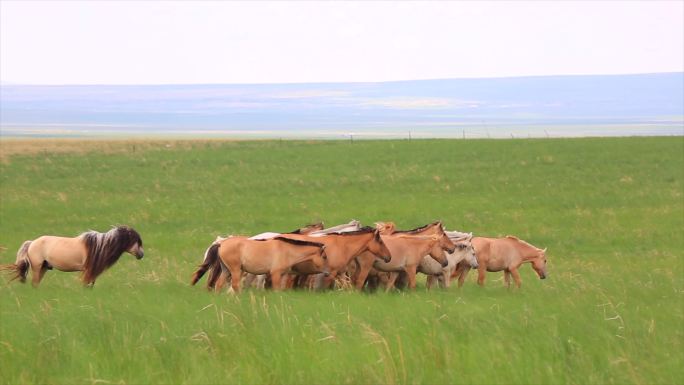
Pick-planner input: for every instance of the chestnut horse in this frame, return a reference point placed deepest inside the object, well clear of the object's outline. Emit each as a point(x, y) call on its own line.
point(408, 249)
point(272, 256)
point(341, 248)
point(365, 261)
point(507, 254)
point(91, 252)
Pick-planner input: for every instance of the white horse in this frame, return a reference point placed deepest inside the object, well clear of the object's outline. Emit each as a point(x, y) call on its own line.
point(464, 252)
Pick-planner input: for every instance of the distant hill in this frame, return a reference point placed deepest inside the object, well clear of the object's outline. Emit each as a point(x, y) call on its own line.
point(651, 103)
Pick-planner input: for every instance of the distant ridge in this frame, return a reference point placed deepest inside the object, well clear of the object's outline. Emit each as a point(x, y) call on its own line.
point(643, 104)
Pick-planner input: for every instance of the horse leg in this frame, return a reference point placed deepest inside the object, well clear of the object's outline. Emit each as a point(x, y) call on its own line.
point(411, 273)
point(445, 279)
point(362, 275)
point(430, 281)
point(516, 277)
point(507, 278)
point(222, 279)
point(38, 273)
point(275, 280)
point(235, 277)
point(389, 285)
point(462, 272)
point(481, 274)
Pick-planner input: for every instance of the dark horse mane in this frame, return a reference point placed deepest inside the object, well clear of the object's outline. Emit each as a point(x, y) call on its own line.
point(104, 249)
point(299, 242)
point(417, 229)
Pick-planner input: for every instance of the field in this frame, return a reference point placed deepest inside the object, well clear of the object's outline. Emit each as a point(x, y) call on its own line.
point(610, 211)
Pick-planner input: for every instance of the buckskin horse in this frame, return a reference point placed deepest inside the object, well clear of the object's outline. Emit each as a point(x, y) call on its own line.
point(272, 256)
point(91, 253)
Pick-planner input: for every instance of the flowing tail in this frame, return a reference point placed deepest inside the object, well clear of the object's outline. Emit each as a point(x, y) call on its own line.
point(21, 266)
point(211, 262)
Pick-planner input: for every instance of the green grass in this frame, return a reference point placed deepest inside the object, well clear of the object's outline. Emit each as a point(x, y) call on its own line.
point(610, 211)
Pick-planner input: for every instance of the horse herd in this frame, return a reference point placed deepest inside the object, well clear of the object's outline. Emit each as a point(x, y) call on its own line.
point(309, 257)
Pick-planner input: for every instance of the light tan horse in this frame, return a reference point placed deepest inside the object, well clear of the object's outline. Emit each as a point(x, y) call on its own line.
point(503, 254)
point(405, 253)
point(341, 249)
point(464, 252)
point(91, 252)
point(272, 256)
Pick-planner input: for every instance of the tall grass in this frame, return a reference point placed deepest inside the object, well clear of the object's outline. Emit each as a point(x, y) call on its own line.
point(611, 212)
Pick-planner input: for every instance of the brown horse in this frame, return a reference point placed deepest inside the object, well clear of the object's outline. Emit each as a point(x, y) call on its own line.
point(272, 256)
point(365, 261)
point(407, 249)
point(217, 279)
point(91, 252)
point(341, 249)
point(507, 254)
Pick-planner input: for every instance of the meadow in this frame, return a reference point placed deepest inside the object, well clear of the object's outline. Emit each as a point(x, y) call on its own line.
point(610, 211)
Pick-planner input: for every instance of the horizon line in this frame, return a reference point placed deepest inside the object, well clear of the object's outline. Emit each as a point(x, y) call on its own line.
point(10, 83)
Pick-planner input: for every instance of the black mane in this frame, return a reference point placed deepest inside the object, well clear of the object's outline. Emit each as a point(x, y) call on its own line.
point(299, 242)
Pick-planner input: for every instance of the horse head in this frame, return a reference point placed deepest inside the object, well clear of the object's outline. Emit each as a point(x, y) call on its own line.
point(320, 260)
point(465, 249)
point(385, 228)
point(436, 250)
point(539, 263)
point(132, 240)
point(377, 246)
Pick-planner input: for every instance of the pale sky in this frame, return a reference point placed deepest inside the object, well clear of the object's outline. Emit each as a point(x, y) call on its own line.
point(177, 42)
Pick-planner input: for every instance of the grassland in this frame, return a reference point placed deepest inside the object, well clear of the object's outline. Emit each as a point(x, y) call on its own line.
point(611, 212)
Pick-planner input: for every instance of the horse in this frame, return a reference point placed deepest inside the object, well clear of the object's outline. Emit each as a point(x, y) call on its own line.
point(262, 282)
point(365, 261)
point(341, 249)
point(217, 279)
point(273, 256)
point(91, 253)
point(318, 226)
point(464, 252)
point(507, 254)
point(407, 249)
point(353, 225)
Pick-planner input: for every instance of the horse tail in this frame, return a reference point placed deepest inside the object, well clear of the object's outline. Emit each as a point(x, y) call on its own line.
point(210, 260)
point(22, 264)
point(215, 273)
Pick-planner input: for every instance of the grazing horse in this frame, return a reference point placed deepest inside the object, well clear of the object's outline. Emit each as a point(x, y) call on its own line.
point(507, 254)
point(406, 252)
point(91, 252)
point(464, 252)
point(341, 249)
point(273, 256)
